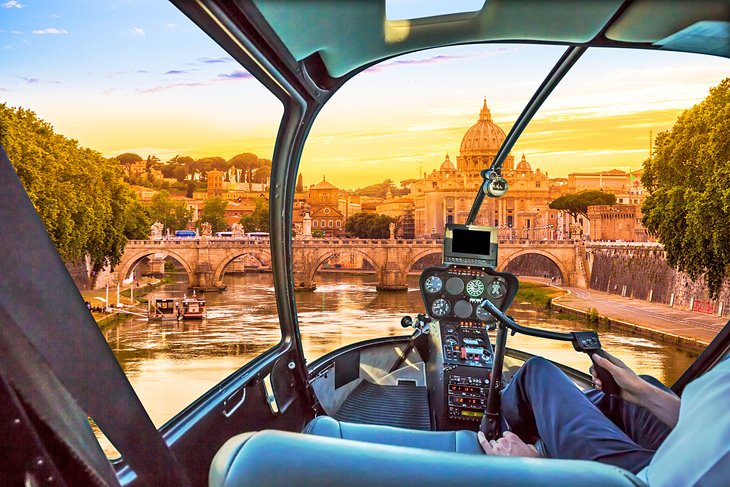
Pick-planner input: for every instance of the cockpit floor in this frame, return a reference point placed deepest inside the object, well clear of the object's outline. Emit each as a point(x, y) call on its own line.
point(404, 406)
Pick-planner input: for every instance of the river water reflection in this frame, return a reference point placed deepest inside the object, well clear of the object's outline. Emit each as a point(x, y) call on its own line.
point(170, 364)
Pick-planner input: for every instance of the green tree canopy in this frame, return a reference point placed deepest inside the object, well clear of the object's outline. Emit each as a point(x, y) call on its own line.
point(369, 225)
point(258, 221)
point(214, 212)
point(578, 203)
point(80, 196)
point(688, 178)
point(173, 214)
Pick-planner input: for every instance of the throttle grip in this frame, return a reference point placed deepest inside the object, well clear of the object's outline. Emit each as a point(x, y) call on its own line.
point(608, 383)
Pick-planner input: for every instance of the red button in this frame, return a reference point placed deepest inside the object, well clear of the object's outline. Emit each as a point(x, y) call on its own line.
point(463, 353)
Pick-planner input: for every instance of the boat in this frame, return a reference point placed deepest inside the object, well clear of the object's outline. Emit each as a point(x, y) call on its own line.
point(441, 377)
point(160, 309)
point(187, 308)
point(192, 308)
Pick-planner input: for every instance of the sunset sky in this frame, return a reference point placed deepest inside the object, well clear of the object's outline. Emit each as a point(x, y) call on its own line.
point(137, 76)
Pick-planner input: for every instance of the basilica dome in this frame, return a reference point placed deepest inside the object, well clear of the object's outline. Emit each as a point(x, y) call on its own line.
point(523, 165)
point(484, 137)
point(447, 165)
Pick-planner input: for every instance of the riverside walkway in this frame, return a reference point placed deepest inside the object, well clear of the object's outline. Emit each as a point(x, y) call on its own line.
point(686, 328)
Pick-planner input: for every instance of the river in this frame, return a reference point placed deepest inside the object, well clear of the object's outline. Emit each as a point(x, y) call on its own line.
point(170, 364)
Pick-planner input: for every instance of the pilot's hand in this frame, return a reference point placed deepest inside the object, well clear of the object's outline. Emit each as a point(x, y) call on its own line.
point(632, 386)
point(510, 445)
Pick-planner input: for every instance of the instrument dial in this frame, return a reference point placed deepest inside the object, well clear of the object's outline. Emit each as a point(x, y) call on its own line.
point(450, 341)
point(496, 289)
point(484, 315)
point(433, 284)
point(475, 288)
point(454, 285)
point(440, 308)
point(462, 309)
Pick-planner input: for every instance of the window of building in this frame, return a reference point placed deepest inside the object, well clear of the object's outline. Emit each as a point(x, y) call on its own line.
point(329, 223)
point(324, 223)
point(314, 223)
point(339, 223)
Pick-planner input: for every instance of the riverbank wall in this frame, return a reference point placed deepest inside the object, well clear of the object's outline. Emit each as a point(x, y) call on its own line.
point(643, 273)
point(688, 344)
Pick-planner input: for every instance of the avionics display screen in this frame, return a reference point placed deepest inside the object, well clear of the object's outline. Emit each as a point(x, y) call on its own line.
point(470, 245)
point(471, 242)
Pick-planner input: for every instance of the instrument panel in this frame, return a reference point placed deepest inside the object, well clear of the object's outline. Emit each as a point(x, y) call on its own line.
point(452, 292)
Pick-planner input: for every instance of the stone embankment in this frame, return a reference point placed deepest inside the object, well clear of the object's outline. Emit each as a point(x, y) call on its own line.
point(640, 271)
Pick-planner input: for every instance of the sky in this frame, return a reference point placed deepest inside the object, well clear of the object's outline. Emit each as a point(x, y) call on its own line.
point(138, 76)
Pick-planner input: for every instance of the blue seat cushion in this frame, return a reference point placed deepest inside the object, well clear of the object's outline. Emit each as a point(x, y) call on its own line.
point(448, 441)
point(281, 459)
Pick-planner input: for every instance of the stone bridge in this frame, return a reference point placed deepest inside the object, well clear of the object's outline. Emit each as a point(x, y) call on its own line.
point(205, 259)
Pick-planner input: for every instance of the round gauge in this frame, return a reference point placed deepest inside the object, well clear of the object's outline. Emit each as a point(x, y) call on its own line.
point(450, 341)
point(433, 284)
point(454, 285)
point(496, 289)
point(450, 329)
point(440, 307)
point(462, 309)
point(474, 288)
point(484, 315)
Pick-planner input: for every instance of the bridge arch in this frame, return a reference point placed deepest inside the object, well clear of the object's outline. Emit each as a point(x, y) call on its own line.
point(324, 256)
point(125, 267)
point(230, 257)
point(424, 253)
point(564, 273)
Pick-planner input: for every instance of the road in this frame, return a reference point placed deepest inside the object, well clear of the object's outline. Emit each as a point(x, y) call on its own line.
point(655, 318)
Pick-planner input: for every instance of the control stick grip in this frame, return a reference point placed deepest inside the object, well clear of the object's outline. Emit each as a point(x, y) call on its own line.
point(608, 383)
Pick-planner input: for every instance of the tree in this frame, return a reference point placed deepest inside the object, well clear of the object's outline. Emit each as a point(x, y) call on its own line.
point(190, 189)
point(152, 161)
point(127, 159)
point(180, 173)
point(578, 203)
point(245, 162)
point(258, 221)
point(369, 225)
point(380, 190)
point(86, 207)
point(688, 178)
point(214, 212)
point(173, 214)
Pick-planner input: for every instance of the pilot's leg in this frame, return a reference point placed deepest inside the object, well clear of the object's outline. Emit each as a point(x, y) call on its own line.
point(541, 401)
point(637, 422)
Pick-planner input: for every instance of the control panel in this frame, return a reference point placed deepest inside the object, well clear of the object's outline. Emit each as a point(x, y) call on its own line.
point(453, 293)
point(458, 338)
point(467, 396)
point(465, 343)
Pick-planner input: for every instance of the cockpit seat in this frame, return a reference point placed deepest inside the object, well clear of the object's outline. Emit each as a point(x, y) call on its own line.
point(447, 441)
point(278, 458)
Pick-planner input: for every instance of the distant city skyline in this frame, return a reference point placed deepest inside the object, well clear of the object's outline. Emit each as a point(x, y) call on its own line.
point(132, 76)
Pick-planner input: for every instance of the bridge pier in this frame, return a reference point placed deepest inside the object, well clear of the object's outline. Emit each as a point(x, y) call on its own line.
point(203, 278)
point(303, 281)
point(392, 279)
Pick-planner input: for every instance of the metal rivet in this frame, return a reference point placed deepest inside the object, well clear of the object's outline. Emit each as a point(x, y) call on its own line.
point(16, 421)
point(39, 462)
point(292, 365)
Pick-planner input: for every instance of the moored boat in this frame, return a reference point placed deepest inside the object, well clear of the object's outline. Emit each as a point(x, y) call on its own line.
point(192, 308)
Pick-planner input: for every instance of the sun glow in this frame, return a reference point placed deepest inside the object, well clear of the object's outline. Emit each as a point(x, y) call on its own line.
point(157, 86)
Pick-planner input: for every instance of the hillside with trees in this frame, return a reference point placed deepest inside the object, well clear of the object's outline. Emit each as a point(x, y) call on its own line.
point(85, 204)
point(381, 189)
point(688, 177)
